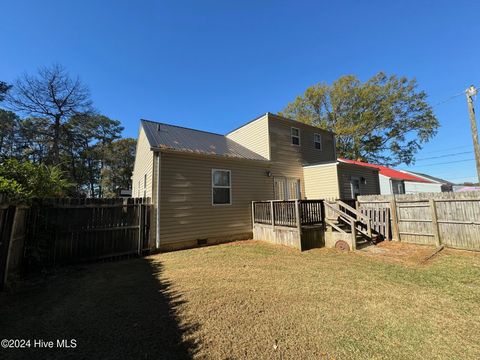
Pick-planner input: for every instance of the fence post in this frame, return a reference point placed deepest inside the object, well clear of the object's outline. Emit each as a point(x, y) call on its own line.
point(5, 239)
point(140, 228)
point(436, 232)
point(394, 220)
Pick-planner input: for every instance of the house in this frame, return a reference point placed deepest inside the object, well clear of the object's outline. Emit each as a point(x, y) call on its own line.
point(202, 184)
point(445, 185)
point(399, 182)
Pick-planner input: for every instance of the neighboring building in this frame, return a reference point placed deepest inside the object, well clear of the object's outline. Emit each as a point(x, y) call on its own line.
point(399, 182)
point(445, 186)
point(340, 180)
point(205, 182)
point(463, 188)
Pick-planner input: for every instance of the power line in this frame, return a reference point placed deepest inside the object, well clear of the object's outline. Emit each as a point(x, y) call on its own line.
point(447, 162)
point(447, 149)
point(446, 155)
point(449, 98)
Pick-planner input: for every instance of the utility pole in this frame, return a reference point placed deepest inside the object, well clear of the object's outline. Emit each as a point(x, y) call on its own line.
point(471, 92)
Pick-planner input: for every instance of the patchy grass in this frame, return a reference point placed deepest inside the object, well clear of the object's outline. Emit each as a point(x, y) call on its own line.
point(255, 300)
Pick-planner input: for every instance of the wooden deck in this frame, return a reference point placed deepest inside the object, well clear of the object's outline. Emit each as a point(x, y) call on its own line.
point(294, 223)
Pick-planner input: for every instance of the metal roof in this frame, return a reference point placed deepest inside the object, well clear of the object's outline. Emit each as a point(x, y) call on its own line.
point(429, 177)
point(177, 138)
point(386, 171)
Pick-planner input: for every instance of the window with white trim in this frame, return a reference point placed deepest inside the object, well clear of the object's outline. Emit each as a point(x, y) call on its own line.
point(295, 132)
point(317, 141)
point(221, 187)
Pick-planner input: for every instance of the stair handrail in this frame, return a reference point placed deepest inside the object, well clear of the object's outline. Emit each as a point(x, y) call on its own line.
point(340, 212)
point(360, 216)
point(353, 210)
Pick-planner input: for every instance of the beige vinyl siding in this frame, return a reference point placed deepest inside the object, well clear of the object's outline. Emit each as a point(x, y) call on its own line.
point(288, 159)
point(345, 173)
point(321, 181)
point(309, 155)
point(254, 136)
point(143, 165)
point(186, 211)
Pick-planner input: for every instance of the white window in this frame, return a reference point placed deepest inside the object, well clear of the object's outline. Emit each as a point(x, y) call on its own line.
point(221, 187)
point(295, 136)
point(317, 141)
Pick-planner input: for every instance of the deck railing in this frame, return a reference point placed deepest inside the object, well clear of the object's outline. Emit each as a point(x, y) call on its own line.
point(289, 213)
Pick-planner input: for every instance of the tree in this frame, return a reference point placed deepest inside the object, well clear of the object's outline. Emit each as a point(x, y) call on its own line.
point(384, 120)
point(25, 180)
point(4, 87)
point(86, 139)
point(8, 139)
point(51, 94)
point(119, 160)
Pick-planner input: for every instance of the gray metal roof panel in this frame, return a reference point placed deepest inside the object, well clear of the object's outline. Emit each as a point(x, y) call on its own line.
point(177, 138)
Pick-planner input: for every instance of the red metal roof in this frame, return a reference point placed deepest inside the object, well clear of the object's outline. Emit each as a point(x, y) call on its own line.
point(386, 171)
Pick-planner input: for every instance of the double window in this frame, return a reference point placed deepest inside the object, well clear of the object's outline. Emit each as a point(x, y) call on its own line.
point(317, 141)
point(221, 187)
point(295, 132)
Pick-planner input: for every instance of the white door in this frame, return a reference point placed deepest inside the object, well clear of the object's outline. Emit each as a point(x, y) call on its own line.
point(293, 189)
point(286, 188)
point(280, 188)
point(355, 187)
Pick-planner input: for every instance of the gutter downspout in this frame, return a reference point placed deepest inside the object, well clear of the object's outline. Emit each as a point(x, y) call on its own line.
point(157, 217)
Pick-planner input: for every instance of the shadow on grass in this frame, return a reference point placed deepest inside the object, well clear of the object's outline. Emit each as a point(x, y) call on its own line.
point(118, 310)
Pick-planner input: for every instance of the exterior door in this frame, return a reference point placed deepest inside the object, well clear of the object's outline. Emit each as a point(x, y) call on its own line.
point(286, 188)
point(280, 188)
point(293, 189)
point(355, 187)
point(398, 187)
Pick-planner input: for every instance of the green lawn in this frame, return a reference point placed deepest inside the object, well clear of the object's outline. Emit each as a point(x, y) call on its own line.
point(258, 301)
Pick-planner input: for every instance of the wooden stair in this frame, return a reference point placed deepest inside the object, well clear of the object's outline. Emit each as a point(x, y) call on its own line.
point(341, 217)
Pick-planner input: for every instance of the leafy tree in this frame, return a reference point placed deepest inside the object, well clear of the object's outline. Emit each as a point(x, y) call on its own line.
point(119, 160)
point(25, 180)
point(384, 120)
point(51, 94)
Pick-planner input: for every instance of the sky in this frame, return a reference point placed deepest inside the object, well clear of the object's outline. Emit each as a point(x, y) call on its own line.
point(214, 65)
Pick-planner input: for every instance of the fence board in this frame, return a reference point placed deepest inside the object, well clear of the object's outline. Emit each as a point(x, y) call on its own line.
point(451, 219)
point(64, 231)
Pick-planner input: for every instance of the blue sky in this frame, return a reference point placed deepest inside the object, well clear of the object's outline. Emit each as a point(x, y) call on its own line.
point(214, 65)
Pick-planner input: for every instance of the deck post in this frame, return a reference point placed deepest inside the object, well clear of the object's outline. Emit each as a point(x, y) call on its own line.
point(354, 235)
point(253, 214)
point(297, 215)
point(272, 214)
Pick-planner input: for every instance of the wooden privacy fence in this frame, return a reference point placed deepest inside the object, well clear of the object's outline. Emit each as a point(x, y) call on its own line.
point(450, 219)
point(63, 231)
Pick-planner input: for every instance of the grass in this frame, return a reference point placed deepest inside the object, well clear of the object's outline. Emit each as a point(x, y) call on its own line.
point(258, 301)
